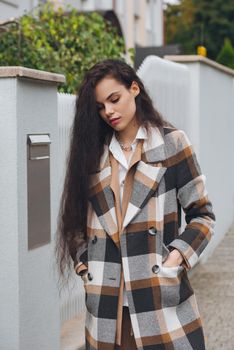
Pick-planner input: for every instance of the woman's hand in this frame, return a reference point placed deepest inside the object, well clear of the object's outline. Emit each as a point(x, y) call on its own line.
point(173, 259)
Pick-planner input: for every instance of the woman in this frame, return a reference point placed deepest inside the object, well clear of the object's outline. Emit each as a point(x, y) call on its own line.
point(129, 173)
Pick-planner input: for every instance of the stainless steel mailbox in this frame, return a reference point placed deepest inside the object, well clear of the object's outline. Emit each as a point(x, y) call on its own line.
point(38, 183)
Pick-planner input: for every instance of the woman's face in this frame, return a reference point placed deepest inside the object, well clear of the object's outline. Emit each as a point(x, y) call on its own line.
point(115, 103)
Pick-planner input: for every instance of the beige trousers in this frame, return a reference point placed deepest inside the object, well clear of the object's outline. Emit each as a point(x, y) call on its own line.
point(127, 340)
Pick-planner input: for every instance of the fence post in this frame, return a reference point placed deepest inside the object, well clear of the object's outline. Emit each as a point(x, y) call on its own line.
point(29, 307)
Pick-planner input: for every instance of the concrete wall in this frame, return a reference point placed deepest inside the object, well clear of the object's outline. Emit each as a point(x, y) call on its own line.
point(211, 119)
point(29, 308)
point(9, 254)
point(217, 143)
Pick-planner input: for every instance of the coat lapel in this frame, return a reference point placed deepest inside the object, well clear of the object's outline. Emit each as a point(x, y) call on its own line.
point(148, 174)
point(102, 198)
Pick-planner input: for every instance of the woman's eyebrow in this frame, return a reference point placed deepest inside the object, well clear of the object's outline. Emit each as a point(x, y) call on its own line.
point(108, 97)
point(114, 92)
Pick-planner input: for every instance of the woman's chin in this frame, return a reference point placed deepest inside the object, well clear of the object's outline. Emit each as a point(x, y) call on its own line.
point(118, 127)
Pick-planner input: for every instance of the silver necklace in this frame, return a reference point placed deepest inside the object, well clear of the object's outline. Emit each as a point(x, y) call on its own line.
point(124, 146)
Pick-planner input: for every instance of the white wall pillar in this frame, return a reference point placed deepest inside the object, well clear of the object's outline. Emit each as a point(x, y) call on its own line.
point(29, 308)
point(141, 28)
point(157, 21)
point(129, 25)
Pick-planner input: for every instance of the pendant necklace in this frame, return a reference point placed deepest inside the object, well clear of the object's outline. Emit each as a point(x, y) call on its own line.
point(124, 146)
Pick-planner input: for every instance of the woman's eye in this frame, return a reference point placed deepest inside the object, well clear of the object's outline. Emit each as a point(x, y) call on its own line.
point(116, 100)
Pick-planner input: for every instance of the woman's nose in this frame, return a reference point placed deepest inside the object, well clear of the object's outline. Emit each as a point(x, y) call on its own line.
point(109, 110)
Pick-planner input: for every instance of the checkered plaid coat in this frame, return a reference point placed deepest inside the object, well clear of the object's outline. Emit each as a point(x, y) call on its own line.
point(164, 177)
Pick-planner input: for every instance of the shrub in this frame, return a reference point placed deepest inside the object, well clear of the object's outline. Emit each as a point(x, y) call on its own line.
point(226, 54)
point(65, 42)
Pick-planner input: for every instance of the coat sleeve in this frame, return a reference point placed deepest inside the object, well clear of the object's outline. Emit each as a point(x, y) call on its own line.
point(193, 198)
point(81, 257)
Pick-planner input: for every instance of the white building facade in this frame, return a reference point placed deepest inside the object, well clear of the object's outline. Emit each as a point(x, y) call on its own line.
point(15, 8)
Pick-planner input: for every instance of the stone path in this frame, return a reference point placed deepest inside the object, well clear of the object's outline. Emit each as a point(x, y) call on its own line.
point(213, 284)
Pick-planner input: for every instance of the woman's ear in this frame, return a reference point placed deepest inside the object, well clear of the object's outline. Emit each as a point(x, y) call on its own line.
point(135, 88)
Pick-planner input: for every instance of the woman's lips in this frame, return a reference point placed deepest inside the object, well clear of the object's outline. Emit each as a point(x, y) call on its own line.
point(115, 121)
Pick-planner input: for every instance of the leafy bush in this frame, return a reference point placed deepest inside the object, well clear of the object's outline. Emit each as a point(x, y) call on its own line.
point(226, 55)
point(65, 42)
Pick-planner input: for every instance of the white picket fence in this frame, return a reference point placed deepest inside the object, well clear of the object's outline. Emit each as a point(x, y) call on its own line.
point(72, 296)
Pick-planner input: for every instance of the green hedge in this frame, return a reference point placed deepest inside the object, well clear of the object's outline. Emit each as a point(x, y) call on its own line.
point(66, 42)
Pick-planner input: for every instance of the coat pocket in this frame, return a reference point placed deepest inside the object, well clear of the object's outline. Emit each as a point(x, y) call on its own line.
point(170, 285)
point(174, 284)
point(172, 271)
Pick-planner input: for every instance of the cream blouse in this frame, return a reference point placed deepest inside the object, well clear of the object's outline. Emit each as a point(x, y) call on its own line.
point(118, 154)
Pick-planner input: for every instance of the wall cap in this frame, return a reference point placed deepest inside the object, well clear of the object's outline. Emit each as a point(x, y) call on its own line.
point(23, 72)
point(198, 58)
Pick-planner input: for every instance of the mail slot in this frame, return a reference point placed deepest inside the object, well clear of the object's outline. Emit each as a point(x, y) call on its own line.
point(38, 186)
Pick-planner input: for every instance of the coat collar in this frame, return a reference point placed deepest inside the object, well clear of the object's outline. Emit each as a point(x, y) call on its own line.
point(148, 174)
point(154, 146)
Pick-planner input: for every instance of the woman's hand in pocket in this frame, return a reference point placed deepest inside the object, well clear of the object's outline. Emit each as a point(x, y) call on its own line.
point(174, 259)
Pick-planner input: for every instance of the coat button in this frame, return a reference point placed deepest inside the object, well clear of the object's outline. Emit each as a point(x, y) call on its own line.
point(155, 269)
point(94, 240)
point(152, 231)
point(90, 276)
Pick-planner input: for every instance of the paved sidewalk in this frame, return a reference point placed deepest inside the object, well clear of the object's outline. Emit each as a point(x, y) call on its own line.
point(213, 284)
point(72, 334)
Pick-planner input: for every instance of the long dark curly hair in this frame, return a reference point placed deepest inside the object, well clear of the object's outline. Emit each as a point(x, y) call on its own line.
point(89, 133)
